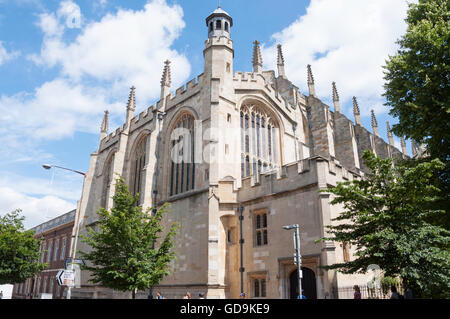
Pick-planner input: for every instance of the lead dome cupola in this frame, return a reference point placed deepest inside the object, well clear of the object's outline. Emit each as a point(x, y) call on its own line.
point(219, 23)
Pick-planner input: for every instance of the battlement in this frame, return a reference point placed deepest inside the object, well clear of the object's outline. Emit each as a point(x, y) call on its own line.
point(112, 138)
point(192, 87)
point(142, 118)
point(316, 172)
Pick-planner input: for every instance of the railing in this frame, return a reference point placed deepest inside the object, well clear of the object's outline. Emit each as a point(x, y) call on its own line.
point(367, 292)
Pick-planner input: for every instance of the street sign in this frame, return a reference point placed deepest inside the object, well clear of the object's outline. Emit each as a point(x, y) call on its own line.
point(75, 261)
point(66, 278)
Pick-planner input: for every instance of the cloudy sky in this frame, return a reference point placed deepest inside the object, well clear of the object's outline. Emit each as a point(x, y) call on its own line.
point(63, 62)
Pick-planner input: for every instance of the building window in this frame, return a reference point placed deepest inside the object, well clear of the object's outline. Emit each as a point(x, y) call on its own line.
point(55, 254)
point(63, 249)
point(44, 246)
point(182, 168)
point(107, 177)
point(226, 26)
point(44, 290)
point(49, 253)
point(52, 284)
point(138, 162)
point(230, 235)
point(211, 27)
point(259, 288)
point(218, 24)
point(259, 138)
point(38, 286)
point(261, 228)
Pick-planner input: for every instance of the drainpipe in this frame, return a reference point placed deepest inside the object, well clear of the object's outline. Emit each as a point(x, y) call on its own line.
point(241, 243)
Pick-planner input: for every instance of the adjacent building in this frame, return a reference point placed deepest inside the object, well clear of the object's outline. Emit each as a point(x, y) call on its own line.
point(56, 236)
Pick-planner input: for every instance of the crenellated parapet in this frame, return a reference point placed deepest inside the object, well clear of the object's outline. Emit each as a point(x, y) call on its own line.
point(314, 172)
point(185, 91)
point(111, 138)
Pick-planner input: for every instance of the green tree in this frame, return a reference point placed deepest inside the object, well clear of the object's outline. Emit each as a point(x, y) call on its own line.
point(417, 86)
point(19, 250)
point(386, 216)
point(124, 254)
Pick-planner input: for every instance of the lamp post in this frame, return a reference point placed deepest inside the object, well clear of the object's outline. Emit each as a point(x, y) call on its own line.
point(297, 256)
point(74, 239)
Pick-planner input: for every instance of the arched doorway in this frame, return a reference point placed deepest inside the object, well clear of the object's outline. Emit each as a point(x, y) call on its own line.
point(308, 284)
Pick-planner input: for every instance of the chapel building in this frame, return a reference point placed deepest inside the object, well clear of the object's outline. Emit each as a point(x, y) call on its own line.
point(229, 143)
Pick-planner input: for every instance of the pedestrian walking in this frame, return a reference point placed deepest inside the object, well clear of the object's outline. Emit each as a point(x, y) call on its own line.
point(187, 295)
point(159, 296)
point(201, 295)
point(357, 293)
point(1, 294)
point(394, 293)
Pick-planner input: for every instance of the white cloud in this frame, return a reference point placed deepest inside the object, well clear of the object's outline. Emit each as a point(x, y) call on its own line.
point(97, 69)
point(5, 55)
point(40, 199)
point(71, 12)
point(122, 49)
point(55, 110)
point(61, 184)
point(35, 209)
point(346, 41)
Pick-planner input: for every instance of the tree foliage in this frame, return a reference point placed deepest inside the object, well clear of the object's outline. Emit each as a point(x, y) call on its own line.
point(386, 216)
point(417, 86)
point(124, 255)
point(19, 250)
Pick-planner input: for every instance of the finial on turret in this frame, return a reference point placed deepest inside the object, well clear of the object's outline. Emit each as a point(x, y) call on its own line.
point(337, 106)
point(311, 87)
point(356, 112)
point(389, 134)
point(257, 58)
point(131, 100)
point(374, 123)
point(280, 62)
point(403, 143)
point(131, 106)
point(104, 127)
point(166, 79)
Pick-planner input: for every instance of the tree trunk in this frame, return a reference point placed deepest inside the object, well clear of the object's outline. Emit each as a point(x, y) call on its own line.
point(133, 293)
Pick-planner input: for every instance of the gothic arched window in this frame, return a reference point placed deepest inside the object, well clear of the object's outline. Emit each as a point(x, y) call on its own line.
point(138, 161)
point(182, 167)
point(107, 178)
point(259, 139)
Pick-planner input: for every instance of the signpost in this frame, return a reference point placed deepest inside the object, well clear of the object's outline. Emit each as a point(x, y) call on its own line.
point(66, 277)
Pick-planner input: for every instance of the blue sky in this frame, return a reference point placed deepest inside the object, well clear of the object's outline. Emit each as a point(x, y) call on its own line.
point(63, 62)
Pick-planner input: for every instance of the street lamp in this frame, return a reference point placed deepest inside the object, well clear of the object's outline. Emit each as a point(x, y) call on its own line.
point(74, 239)
point(48, 166)
point(297, 256)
